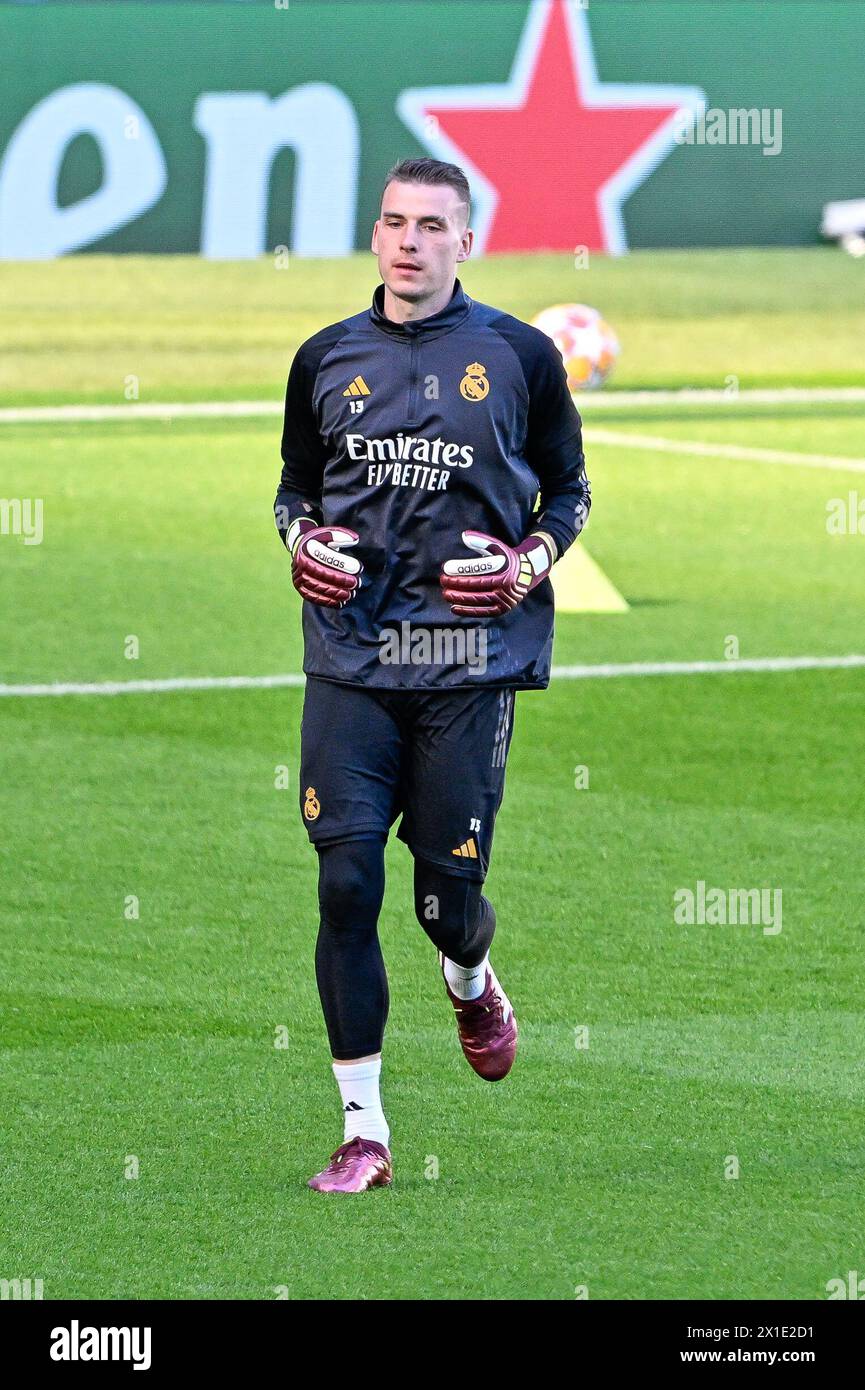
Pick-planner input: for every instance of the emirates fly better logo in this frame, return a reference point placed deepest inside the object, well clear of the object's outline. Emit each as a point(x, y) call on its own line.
point(409, 460)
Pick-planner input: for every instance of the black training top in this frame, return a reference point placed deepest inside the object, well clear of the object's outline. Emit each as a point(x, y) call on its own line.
point(410, 433)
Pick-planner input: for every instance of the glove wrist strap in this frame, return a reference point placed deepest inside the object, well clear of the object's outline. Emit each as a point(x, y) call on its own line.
point(540, 551)
point(296, 531)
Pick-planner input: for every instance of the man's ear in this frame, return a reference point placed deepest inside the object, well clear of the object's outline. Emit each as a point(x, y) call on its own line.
point(374, 242)
point(465, 250)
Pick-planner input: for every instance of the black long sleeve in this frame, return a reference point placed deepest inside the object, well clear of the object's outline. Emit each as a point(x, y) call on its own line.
point(554, 448)
point(304, 452)
point(566, 494)
point(553, 445)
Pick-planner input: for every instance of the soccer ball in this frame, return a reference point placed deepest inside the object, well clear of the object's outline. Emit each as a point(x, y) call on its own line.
point(588, 345)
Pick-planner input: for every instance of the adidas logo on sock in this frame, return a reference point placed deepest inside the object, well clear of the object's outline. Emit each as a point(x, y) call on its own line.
point(353, 1105)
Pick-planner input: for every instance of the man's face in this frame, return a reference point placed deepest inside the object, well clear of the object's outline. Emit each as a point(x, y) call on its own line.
point(419, 239)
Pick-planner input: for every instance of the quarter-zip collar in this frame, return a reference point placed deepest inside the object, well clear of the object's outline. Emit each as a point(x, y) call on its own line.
point(458, 307)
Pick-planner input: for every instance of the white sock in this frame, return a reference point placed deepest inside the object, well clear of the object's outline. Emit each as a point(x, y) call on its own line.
point(361, 1103)
point(467, 981)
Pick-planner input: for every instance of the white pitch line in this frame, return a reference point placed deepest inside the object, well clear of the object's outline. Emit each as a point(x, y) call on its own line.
point(599, 672)
point(755, 395)
point(695, 448)
point(136, 410)
point(707, 668)
point(154, 687)
point(603, 400)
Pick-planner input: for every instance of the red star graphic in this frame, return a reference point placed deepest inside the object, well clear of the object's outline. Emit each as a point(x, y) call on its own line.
point(549, 158)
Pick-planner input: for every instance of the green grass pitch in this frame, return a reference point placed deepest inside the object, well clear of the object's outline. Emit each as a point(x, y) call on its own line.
point(153, 1039)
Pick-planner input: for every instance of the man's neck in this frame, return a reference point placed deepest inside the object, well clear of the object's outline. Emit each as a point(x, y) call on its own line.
point(407, 311)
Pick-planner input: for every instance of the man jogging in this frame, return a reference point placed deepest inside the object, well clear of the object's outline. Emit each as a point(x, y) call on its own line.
point(419, 436)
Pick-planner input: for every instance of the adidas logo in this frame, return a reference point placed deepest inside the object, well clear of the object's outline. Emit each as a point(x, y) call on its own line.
point(353, 1105)
point(357, 388)
point(468, 850)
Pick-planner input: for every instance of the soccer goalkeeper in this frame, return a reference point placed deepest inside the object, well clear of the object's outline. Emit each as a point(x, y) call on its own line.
point(418, 437)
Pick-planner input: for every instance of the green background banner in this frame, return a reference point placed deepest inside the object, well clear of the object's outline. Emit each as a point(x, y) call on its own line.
point(349, 63)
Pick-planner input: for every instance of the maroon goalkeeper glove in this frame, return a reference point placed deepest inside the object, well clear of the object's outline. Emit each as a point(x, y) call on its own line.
point(498, 577)
point(319, 571)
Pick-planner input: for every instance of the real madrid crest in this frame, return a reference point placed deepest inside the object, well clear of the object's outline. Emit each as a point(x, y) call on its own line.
point(474, 385)
point(311, 805)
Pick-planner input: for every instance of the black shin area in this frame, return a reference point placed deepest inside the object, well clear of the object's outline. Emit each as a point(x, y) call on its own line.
point(349, 968)
point(453, 912)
